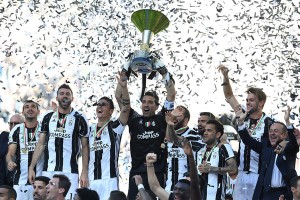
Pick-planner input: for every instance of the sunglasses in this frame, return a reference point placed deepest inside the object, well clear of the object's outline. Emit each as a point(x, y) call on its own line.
point(101, 103)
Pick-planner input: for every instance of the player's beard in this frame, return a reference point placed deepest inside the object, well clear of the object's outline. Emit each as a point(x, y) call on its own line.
point(64, 103)
point(179, 125)
point(201, 131)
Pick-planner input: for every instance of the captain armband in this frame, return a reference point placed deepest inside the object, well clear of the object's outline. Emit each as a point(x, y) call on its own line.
point(169, 105)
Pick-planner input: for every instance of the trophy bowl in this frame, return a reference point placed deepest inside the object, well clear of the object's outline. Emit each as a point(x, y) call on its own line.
point(149, 22)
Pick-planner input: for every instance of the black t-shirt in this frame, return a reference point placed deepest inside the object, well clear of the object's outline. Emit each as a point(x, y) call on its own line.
point(147, 136)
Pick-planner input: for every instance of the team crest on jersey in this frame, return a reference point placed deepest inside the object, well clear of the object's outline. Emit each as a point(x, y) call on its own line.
point(153, 123)
point(214, 155)
point(71, 121)
point(141, 122)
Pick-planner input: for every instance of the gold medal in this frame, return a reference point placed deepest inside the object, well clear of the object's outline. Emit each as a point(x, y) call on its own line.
point(24, 150)
point(61, 129)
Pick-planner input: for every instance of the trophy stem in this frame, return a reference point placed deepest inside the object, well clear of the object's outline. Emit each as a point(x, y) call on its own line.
point(146, 38)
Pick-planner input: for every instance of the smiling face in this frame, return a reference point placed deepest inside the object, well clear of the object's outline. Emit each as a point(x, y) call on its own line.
point(276, 134)
point(254, 103)
point(148, 106)
point(30, 110)
point(103, 109)
point(64, 98)
point(210, 136)
point(181, 191)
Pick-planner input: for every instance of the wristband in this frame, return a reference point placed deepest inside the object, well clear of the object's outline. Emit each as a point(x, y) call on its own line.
point(169, 105)
point(140, 186)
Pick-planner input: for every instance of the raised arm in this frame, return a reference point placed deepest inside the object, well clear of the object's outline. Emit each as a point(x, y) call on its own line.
point(152, 179)
point(195, 188)
point(291, 146)
point(171, 135)
point(123, 98)
point(38, 152)
point(228, 93)
point(244, 134)
point(167, 79)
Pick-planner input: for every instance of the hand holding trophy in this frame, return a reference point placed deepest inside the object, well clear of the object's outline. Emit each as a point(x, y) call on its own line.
point(149, 22)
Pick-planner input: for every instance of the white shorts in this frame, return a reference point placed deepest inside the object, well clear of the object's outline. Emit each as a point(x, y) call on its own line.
point(24, 192)
point(74, 182)
point(245, 185)
point(104, 186)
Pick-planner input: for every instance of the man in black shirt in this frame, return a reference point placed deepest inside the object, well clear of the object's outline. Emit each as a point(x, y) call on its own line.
point(147, 131)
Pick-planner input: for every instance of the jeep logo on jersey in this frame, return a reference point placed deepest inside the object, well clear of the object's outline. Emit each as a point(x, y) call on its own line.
point(176, 153)
point(60, 134)
point(31, 146)
point(147, 135)
point(99, 145)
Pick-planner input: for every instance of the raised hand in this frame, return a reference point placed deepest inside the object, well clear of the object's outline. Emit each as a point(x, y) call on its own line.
point(171, 116)
point(122, 79)
point(239, 114)
point(151, 158)
point(187, 147)
point(224, 70)
point(287, 113)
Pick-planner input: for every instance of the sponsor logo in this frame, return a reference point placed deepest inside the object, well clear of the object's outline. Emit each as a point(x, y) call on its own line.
point(99, 145)
point(31, 146)
point(147, 135)
point(60, 134)
point(176, 153)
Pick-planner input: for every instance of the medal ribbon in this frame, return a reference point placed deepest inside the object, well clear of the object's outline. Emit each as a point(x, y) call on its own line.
point(180, 129)
point(32, 134)
point(98, 133)
point(251, 131)
point(62, 121)
point(207, 154)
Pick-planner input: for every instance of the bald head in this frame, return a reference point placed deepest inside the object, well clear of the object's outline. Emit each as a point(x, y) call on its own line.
point(14, 120)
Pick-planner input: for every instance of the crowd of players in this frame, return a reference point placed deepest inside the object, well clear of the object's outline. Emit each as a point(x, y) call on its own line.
point(39, 160)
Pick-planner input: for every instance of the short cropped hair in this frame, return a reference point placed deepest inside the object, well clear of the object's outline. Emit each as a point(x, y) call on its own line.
point(65, 86)
point(209, 114)
point(154, 95)
point(111, 103)
point(11, 191)
point(31, 101)
point(184, 181)
point(64, 182)
point(87, 194)
point(219, 127)
point(259, 93)
point(44, 179)
point(294, 181)
point(117, 195)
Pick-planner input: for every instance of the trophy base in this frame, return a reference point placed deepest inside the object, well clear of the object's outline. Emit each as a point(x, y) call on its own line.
point(142, 65)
